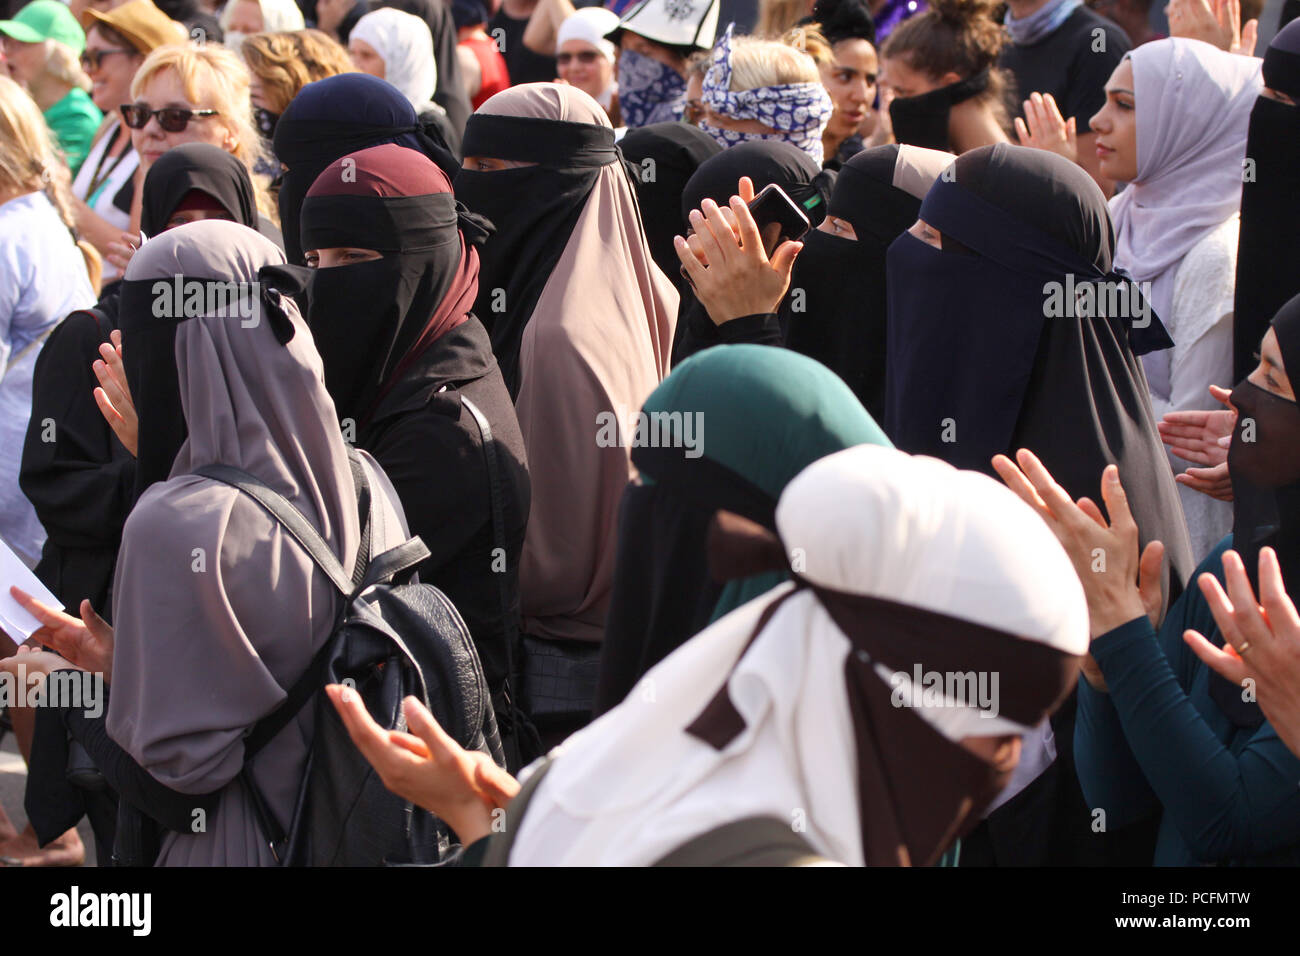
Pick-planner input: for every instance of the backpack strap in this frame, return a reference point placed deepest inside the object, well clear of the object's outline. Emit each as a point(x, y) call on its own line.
point(289, 517)
point(519, 724)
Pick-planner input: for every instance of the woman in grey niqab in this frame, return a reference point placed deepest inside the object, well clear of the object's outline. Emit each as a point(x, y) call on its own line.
point(217, 610)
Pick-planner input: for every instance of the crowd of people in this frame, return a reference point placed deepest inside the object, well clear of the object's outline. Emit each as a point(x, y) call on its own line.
point(672, 432)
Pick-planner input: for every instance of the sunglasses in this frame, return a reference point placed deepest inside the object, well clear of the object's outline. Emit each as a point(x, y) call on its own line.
point(265, 120)
point(173, 119)
point(586, 57)
point(92, 60)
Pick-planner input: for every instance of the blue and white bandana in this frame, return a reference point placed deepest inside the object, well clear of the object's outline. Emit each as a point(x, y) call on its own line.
point(1040, 23)
point(797, 111)
point(648, 91)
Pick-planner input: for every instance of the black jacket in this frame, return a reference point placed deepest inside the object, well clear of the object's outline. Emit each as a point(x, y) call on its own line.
point(431, 449)
point(81, 482)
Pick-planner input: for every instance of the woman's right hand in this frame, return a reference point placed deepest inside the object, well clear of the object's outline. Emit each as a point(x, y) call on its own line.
point(86, 642)
point(113, 396)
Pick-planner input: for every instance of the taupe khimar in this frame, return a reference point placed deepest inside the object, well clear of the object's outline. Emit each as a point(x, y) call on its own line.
point(581, 321)
point(217, 610)
point(929, 606)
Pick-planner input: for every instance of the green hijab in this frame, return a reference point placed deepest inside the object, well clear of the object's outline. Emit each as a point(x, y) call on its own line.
point(727, 430)
point(763, 415)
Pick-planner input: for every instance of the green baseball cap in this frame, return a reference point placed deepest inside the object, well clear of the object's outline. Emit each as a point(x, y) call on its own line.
point(46, 20)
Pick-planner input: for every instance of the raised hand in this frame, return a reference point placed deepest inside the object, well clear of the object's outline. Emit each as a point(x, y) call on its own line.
point(428, 767)
point(113, 396)
point(1261, 640)
point(1105, 556)
point(1044, 128)
point(726, 261)
point(1202, 436)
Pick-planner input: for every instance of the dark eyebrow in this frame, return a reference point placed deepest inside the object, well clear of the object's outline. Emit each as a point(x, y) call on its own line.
point(1117, 89)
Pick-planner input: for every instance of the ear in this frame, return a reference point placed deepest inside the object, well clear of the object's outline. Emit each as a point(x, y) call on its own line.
point(949, 78)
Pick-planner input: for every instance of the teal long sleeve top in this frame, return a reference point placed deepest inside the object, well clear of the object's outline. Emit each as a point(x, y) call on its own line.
point(1158, 742)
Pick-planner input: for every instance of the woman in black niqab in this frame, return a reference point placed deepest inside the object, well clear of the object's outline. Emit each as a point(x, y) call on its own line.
point(1269, 245)
point(979, 365)
point(333, 117)
point(835, 310)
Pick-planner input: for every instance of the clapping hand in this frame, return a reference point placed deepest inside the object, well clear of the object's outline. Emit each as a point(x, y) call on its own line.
point(113, 396)
point(727, 262)
point(1044, 128)
point(1261, 639)
point(1202, 437)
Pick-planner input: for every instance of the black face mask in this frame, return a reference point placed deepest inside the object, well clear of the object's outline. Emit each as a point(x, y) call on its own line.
point(1265, 449)
point(354, 313)
point(923, 120)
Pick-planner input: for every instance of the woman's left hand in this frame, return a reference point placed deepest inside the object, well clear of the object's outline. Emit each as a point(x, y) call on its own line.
point(1044, 128)
point(1261, 641)
point(428, 767)
point(1105, 556)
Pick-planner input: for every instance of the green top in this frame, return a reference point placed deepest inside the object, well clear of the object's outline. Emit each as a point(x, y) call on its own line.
point(74, 120)
point(764, 415)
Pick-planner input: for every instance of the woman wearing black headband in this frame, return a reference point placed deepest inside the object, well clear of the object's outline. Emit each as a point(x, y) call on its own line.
point(581, 321)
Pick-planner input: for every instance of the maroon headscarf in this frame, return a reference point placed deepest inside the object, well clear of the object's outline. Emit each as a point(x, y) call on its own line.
point(373, 321)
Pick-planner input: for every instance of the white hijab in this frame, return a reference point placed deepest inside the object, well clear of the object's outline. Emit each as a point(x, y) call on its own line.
point(1193, 105)
point(404, 42)
point(278, 16)
point(873, 521)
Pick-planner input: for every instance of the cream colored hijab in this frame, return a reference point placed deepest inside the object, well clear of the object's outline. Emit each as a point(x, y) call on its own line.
point(599, 340)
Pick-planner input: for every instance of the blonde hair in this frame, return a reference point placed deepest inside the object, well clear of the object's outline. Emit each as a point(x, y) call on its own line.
point(286, 62)
point(214, 78)
point(777, 17)
point(756, 63)
point(62, 64)
point(30, 162)
point(808, 39)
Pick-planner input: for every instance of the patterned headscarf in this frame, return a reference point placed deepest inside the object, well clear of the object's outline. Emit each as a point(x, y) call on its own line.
point(797, 111)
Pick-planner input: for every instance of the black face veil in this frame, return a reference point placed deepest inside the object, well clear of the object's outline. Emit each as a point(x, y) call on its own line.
point(835, 311)
point(534, 209)
point(1270, 204)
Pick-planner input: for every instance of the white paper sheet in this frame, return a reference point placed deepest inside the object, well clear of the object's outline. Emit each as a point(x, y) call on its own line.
point(15, 620)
